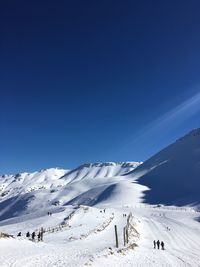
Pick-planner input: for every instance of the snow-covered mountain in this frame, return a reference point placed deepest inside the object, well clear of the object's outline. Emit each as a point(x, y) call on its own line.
point(173, 174)
point(88, 184)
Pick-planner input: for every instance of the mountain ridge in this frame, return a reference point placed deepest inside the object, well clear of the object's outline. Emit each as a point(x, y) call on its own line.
point(173, 173)
point(48, 188)
point(169, 177)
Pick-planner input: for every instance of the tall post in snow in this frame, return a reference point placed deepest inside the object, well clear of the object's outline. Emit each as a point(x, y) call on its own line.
point(116, 237)
point(127, 234)
point(124, 236)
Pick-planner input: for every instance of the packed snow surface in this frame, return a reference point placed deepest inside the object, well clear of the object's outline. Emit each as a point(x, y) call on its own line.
point(89, 239)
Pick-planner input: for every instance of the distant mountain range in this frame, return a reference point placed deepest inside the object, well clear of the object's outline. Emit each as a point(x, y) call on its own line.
point(26, 192)
point(170, 177)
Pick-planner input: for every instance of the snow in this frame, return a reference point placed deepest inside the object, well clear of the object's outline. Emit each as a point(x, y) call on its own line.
point(173, 173)
point(25, 193)
point(159, 197)
point(82, 244)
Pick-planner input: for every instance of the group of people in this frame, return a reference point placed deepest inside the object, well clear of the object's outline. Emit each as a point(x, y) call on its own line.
point(49, 213)
point(124, 214)
point(104, 210)
point(158, 244)
point(33, 235)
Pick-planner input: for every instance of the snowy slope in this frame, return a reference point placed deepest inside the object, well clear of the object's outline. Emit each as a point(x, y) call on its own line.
point(19, 192)
point(96, 170)
point(173, 174)
point(89, 239)
point(27, 192)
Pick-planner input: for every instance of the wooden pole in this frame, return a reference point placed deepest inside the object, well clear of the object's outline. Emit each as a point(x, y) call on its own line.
point(116, 237)
point(127, 235)
point(124, 236)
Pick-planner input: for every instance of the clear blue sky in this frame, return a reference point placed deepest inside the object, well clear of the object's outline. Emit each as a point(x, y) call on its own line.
point(86, 81)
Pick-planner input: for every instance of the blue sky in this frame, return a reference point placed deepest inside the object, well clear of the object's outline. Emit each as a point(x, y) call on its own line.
point(87, 81)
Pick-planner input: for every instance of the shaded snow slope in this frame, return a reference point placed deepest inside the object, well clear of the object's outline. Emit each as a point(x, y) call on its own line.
point(173, 174)
point(120, 192)
point(88, 184)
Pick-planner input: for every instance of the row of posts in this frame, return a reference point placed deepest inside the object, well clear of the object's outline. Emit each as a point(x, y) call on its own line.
point(125, 236)
point(125, 232)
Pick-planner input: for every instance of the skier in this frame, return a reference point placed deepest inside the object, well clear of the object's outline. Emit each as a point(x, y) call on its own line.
point(154, 243)
point(162, 245)
point(33, 236)
point(158, 244)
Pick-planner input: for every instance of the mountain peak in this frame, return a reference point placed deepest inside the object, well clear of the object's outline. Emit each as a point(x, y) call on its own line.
point(107, 164)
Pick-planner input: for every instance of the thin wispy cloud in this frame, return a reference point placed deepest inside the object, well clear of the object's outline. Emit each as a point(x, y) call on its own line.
point(159, 128)
point(174, 117)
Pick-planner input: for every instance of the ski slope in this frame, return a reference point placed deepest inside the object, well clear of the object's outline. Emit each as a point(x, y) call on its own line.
point(82, 244)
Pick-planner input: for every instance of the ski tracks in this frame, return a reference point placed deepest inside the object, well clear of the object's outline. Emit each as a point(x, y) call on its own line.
point(182, 245)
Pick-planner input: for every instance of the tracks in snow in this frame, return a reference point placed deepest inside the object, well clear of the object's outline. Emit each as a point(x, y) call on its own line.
point(182, 243)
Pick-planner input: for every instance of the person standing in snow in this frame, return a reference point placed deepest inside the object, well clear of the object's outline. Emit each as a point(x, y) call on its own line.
point(154, 243)
point(33, 236)
point(39, 235)
point(19, 234)
point(27, 234)
point(158, 244)
point(162, 245)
